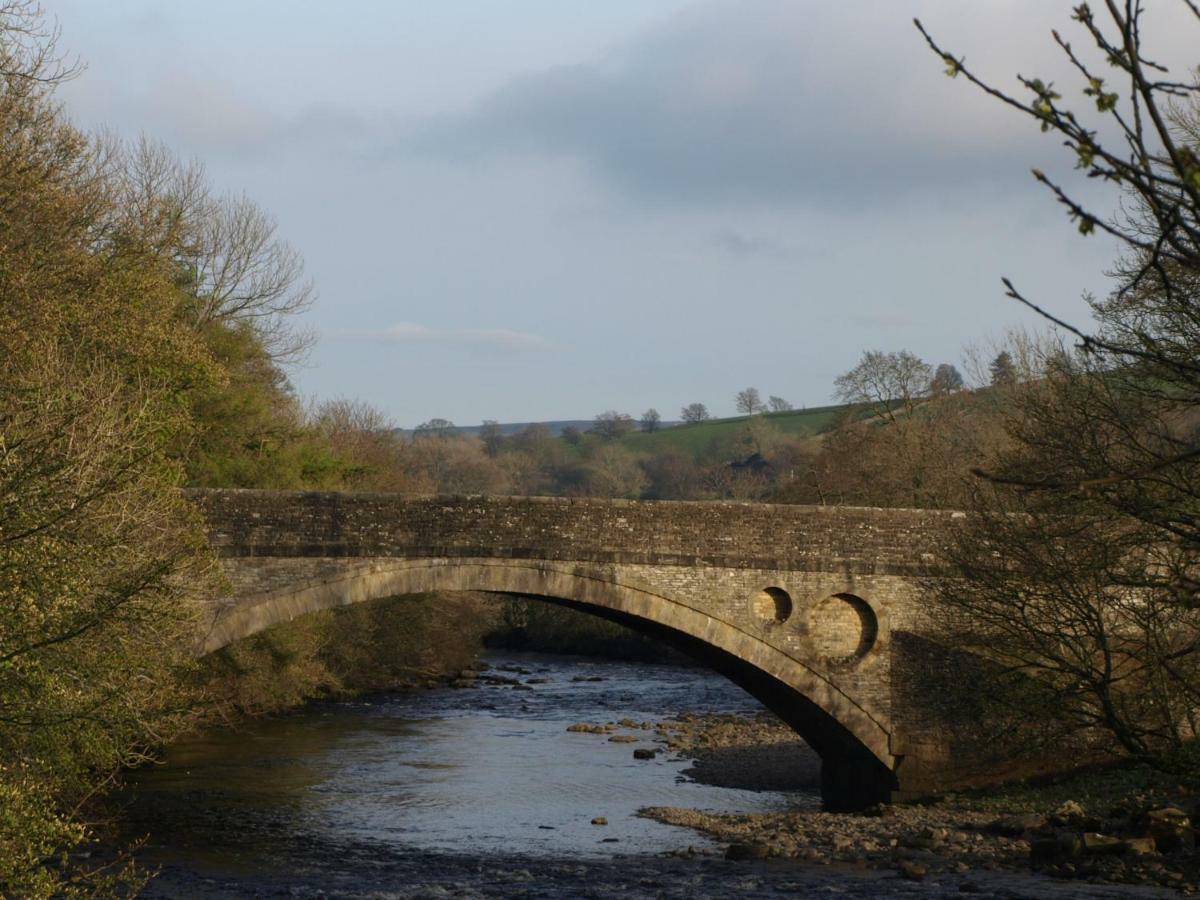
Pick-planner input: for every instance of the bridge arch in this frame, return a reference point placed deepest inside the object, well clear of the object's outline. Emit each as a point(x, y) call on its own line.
point(857, 765)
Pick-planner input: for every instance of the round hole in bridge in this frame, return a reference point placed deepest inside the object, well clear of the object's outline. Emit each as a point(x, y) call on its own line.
point(843, 627)
point(772, 605)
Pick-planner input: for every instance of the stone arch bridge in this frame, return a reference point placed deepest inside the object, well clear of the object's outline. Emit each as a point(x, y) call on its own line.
point(805, 607)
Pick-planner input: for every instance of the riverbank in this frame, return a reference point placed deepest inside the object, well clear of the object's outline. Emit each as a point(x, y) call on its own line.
point(1117, 826)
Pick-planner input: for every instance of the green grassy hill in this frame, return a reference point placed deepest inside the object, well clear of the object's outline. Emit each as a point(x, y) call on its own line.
point(693, 439)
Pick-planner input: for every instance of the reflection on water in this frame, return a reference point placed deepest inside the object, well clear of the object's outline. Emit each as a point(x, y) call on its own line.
point(486, 770)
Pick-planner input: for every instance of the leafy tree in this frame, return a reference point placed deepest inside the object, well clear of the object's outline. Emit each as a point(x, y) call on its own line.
point(101, 558)
point(611, 425)
point(651, 421)
point(748, 402)
point(946, 380)
point(694, 413)
point(1003, 370)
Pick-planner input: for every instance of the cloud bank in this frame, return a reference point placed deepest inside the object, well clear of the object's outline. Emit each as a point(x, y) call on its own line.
point(778, 105)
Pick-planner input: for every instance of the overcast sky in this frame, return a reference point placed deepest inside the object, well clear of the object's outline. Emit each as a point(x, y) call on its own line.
point(540, 209)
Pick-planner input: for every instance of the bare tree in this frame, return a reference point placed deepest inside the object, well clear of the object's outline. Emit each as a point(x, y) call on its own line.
point(1087, 556)
point(887, 383)
point(651, 420)
point(29, 49)
point(749, 402)
point(236, 268)
point(778, 404)
point(436, 428)
point(694, 413)
point(492, 437)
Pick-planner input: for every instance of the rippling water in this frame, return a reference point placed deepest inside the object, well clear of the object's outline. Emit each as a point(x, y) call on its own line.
point(481, 771)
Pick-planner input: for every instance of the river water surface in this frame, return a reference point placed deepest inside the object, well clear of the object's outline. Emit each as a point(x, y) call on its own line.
point(348, 797)
point(479, 792)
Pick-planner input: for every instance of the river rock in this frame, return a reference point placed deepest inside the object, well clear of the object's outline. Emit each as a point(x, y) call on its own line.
point(623, 739)
point(1171, 829)
point(750, 850)
point(913, 871)
point(1068, 808)
point(500, 679)
point(1102, 844)
point(587, 728)
point(1016, 826)
point(1140, 846)
point(1054, 850)
point(644, 753)
point(599, 820)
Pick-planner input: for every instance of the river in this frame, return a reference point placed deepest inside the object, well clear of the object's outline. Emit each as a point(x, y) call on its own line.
point(476, 792)
point(449, 787)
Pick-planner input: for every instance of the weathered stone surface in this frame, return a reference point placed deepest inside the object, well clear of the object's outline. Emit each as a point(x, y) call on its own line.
point(843, 584)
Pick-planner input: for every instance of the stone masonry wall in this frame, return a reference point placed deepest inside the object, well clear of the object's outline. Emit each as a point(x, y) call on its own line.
point(858, 541)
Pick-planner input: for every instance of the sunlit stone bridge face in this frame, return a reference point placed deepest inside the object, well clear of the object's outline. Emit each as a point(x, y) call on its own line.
point(803, 606)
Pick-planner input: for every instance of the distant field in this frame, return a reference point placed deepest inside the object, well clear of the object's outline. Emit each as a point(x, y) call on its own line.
point(689, 439)
point(694, 439)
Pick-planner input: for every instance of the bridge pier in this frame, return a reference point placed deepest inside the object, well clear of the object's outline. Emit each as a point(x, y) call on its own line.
point(850, 784)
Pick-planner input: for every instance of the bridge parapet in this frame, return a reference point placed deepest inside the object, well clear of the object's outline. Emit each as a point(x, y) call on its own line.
point(853, 540)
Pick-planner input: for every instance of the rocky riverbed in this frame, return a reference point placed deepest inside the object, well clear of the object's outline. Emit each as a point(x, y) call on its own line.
point(1145, 840)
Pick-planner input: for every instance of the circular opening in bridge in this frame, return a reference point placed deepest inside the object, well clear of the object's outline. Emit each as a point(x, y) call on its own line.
point(843, 628)
point(772, 605)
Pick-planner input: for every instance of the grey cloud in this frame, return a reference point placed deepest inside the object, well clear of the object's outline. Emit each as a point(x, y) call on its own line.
point(213, 116)
point(774, 103)
point(741, 243)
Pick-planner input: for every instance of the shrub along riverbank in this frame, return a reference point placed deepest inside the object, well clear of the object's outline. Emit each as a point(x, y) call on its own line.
point(397, 644)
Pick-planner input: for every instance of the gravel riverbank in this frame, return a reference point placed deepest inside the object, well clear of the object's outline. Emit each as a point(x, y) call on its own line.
point(1142, 840)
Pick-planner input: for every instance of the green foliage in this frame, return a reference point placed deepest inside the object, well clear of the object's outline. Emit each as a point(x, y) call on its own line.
point(369, 646)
